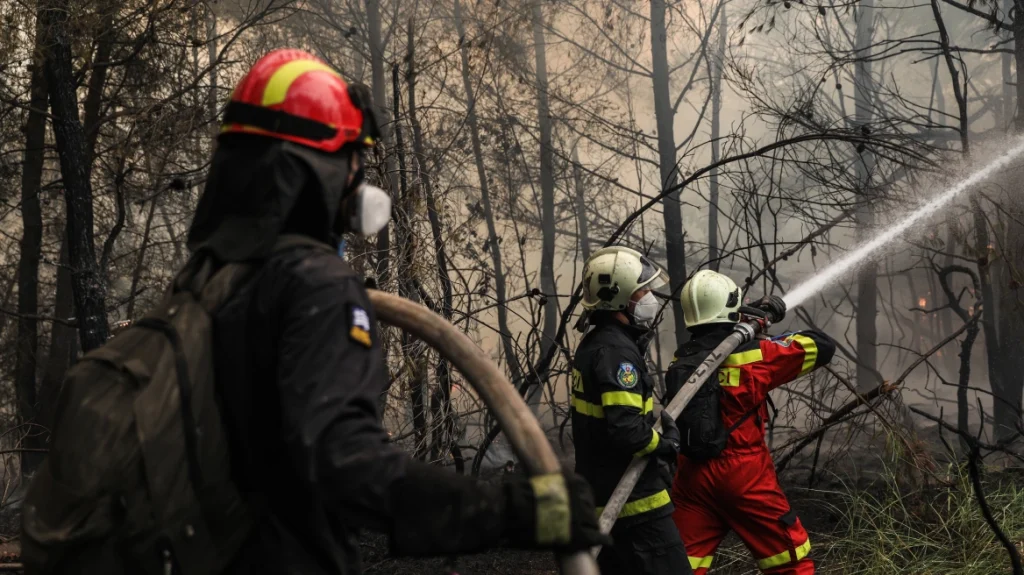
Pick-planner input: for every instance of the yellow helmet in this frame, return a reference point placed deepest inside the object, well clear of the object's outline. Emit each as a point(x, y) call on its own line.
point(612, 275)
point(710, 297)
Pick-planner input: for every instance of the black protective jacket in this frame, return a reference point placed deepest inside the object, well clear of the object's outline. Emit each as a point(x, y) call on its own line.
point(300, 373)
point(613, 419)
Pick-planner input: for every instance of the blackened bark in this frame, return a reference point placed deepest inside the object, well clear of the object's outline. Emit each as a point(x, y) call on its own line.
point(89, 289)
point(140, 259)
point(581, 205)
point(63, 340)
point(384, 117)
point(442, 371)
point(411, 349)
point(493, 247)
point(98, 78)
point(717, 66)
point(1018, 58)
point(211, 56)
point(547, 184)
point(675, 246)
point(26, 362)
point(867, 278)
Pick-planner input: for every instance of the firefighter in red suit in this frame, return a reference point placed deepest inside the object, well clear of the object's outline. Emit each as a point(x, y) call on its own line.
point(727, 481)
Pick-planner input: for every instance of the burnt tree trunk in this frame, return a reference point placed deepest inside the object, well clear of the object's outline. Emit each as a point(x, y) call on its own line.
point(63, 340)
point(412, 350)
point(867, 278)
point(98, 79)
point(547, 186)
point(442, 371)
point(26, 361)
point(717, 66)
point(373, 23)
point(581, 205)
point(675, 246)
point(72, 147)
point(493, 246)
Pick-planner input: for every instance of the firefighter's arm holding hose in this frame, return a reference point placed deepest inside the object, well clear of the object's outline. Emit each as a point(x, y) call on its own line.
point(331, 376)
point(618, 379)
point(791, 355)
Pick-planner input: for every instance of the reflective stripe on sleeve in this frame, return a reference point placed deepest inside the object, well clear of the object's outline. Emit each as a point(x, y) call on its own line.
point(643, 505)
point(655, 440)
point(810, 352)
point(586, 408)
point(743, 358)
point(627, 399)
point(785, 557)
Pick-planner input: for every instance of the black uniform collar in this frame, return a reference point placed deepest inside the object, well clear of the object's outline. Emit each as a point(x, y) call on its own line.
point(607, 320)
point(705, 337)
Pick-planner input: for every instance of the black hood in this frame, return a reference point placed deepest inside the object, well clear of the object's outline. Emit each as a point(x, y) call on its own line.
point(259, 188)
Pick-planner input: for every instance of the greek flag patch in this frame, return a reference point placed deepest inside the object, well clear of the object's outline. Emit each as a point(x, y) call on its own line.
point(359, 326)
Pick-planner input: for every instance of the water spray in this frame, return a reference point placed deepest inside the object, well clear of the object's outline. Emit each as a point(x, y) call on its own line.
point(858, 256)
point(746, 331)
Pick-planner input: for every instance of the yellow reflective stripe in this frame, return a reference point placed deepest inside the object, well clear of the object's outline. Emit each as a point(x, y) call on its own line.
point(627, 399)
point(552, 509)
point(623, 398)
point(281, 80)
point(655, 440)
point(700, 562)
point(643, 505)
point(785, 557)
point(744, 357)
point(586, 408)
point(810, 351)
point(729, 377)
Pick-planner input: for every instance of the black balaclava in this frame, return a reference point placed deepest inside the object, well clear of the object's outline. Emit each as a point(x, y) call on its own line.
point(260, 187)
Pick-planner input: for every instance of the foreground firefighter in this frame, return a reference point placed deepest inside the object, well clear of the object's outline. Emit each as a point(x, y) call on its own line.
point(299, 376)
point(612, 413)
point(726, 478)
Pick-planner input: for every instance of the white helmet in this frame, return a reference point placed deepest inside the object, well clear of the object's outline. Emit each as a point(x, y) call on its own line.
point(612, 275)
point(710, 297)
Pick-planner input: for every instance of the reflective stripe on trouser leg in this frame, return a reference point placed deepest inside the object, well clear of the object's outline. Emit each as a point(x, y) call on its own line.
point(786, 557)
point(700, 562)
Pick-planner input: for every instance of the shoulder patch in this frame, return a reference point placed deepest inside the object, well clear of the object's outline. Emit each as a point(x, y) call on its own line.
point(359, 326)
point(627, 376)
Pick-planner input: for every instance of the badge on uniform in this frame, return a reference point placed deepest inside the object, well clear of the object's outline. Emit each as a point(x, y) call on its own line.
point(359, 322)
point(627, 375)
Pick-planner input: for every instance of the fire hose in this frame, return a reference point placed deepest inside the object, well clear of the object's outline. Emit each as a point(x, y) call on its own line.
point(516, 419)
point(742, 333)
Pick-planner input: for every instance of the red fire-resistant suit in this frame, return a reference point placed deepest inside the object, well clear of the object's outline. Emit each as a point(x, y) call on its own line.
point(739, 490)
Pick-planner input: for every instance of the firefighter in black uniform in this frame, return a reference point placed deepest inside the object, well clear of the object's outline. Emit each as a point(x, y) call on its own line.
point(298, 358)
point(613, 413)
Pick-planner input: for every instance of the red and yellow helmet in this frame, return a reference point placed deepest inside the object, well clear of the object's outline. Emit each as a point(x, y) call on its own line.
point(293, 95)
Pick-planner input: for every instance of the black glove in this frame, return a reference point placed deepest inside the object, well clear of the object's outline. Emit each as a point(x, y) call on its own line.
point(437, 512)
point(773, 306)
point(551, 511)
point(668, 444)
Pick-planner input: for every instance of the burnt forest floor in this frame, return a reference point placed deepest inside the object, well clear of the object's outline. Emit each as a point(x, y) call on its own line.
point(893, 523)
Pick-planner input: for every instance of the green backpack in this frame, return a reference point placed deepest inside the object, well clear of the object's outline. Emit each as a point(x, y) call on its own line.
point(138, 478)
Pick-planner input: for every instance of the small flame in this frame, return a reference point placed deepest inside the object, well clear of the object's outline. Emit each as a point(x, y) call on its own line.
point(922, 302)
